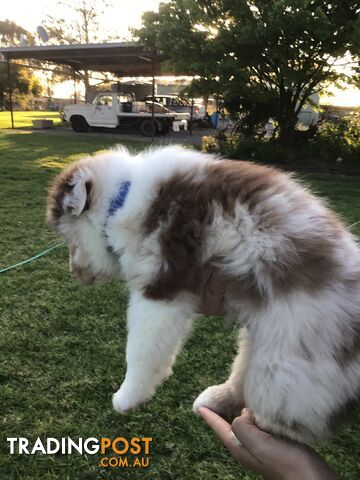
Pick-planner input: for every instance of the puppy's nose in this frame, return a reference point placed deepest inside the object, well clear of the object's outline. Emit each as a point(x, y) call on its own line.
point(74, 272)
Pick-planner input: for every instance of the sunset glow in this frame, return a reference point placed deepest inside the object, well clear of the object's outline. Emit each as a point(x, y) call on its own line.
point(116, 22)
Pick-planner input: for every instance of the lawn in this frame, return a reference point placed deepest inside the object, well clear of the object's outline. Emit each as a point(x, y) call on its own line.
point(62, 345)
point(24, 119)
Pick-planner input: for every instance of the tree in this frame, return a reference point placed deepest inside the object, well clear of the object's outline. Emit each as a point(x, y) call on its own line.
point(84, 27)
point(275, 52)
point(24, 82)
point(11, 34)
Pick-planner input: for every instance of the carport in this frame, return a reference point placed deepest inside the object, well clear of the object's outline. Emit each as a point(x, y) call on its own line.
point(123, 59)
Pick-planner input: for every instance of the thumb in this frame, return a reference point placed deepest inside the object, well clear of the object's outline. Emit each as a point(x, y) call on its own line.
point(245, 430)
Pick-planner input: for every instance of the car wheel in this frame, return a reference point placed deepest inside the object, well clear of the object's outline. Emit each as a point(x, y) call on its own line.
point(146, 128)
point(79, 124)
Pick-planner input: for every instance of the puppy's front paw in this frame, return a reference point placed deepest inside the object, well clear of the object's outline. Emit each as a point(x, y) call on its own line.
point(219, 399)
point(129, 397)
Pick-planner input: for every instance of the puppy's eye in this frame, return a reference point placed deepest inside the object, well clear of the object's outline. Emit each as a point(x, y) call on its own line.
point(110, 249)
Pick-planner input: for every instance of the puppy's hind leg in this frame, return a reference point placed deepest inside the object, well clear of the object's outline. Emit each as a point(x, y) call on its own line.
point(227, 399)
point(156, 331)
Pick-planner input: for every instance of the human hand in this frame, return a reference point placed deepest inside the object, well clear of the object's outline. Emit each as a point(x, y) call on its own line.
point(272, 457)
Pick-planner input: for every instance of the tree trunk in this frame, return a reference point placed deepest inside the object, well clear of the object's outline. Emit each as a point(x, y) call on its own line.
point(287, 131)
point(287, 119)
point(86, 80)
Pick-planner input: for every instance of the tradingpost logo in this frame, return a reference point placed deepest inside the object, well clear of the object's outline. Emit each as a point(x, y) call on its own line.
point(119, 452)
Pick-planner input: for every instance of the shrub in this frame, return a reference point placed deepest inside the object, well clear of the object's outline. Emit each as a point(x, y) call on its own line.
point(210, 144)
point(339, 139)
point(238, 146)
point(335, 143)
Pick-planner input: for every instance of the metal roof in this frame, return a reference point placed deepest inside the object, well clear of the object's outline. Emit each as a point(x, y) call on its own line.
point(125, 59)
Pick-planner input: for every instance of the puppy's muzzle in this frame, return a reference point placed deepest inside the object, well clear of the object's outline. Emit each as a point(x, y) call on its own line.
point(82, 276)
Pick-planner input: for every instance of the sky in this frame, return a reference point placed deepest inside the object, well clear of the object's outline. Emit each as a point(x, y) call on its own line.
point(117, 20)
point(30, 13)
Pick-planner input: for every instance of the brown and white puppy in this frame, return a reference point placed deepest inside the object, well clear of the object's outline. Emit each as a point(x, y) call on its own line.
point(290, 273)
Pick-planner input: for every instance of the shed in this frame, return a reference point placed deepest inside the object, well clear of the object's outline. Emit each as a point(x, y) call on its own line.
point(124, 59)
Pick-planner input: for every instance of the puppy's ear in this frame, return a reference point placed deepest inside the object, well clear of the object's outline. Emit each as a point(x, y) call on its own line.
point(76, 193)
point(71, 193)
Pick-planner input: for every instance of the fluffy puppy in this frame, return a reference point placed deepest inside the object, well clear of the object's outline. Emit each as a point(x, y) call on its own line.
point(290, 273)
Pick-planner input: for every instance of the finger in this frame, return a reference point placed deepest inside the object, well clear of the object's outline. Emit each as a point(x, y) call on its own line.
point(224, 432)
point(220, 426)
point(249, 435)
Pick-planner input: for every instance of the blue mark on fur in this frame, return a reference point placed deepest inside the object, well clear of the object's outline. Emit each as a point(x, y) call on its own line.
point(119, 200)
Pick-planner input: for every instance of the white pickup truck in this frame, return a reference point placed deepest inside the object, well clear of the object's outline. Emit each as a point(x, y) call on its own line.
point(119, 110)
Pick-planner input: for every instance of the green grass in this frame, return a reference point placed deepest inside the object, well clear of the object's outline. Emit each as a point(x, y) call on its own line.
point(24, 119)
point(62, 345)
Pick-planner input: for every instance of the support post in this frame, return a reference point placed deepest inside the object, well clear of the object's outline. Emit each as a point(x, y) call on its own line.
point(74, 79)
point(153, 101)
point(10, 91)
point(191, 116)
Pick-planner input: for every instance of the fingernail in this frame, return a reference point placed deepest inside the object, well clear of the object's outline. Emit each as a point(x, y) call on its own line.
point(244, 410)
